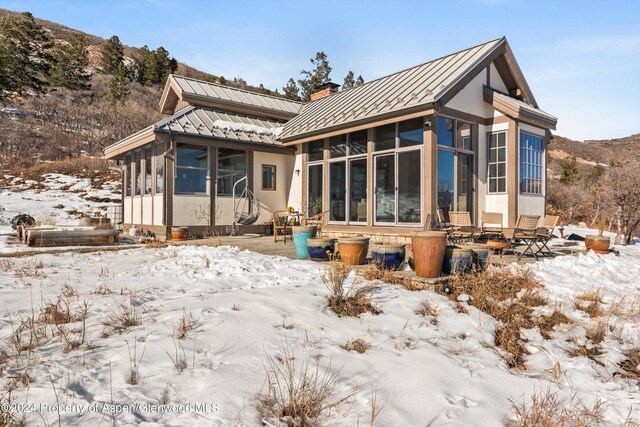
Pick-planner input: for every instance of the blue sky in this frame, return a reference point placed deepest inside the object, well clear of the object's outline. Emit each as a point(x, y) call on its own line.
point(581, 58)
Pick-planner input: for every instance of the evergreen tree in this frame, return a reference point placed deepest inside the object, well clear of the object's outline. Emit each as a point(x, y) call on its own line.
point(153, 66)
point(7, 83)
point(111, 56)
point(222, 80)
point(290, 91)
point(165, 65)
point(318, 75)
point(70, 64)
point(359, 81)
point(349, 81)
point(569, 170)
point(597, 171)
point(119, 86)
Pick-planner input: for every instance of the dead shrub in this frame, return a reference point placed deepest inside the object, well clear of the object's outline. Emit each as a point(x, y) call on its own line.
point(185, 326)
point(589, 302)
point(298, 395)
point(547, 324)
point(125, 316)
point(547, 409)
point(56, 313)
point(496, 291)
point(598, 331)
point(6, 265)
point(427, 309)
point(631, 365)
point(346, 301)
point(359, 345)
point(102, 290)
point(68, 291)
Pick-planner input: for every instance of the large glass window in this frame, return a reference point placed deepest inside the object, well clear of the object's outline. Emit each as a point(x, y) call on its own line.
point(191, 169)
point(531, 162)
point(337, 146)
point(385, 137)
point(137, 160)
point(232, 166)
point(497, 162)
point(411, 132)
point(127, 175)
point(358, 190)
point(314, 189)
point(315, 151)
point(464, 137)
point(159, 168)
point(337, 191)
point(444, 129)
point(446, 181)
point(385, 188)
point(358, 142)
point(268, 177)
point(409, 178)
point(148, 154)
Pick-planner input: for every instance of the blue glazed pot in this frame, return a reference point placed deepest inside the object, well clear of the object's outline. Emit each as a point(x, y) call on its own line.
point(457, 260)
point(480, 255)
point(300, 236)
point(320, 247)
point(389, 257)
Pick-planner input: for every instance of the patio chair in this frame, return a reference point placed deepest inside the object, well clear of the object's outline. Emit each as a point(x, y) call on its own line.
point(282, 223)
point(526, 232)
point(491, 222)
point(462, 226)
point(545, 233)
point(317, 220)
point(441, 224)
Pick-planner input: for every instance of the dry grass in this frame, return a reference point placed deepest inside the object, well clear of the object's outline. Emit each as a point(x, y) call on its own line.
point(156, 244)
point(598, 331)
point(589, 351)
point(589, 302)
point(185, 326)
point(547, 409)
point(631, 365)
point(134, 362)
point(124, 317)
point(299, 395)
point(346, 301)
point(57, 313)
point(427, 309)
point(547, 324)
point(508, 296)
point(359, 345)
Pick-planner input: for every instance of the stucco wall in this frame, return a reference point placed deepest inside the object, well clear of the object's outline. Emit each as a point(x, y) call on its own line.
point(270, 200)
point(470, 100)
point(127, 210)
point(147, 213)
point(187, 210)
point(295, 184)
point(158, 209)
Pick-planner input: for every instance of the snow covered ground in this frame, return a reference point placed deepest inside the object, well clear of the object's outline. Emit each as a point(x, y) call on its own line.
point(426, 370)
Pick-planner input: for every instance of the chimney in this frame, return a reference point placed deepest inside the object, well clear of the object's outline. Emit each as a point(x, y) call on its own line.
point(324, 89)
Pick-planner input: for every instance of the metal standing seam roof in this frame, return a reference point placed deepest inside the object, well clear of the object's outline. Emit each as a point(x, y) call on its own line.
point(521, 105)
point(413, 87)
point(200, 121)
point(238, 96)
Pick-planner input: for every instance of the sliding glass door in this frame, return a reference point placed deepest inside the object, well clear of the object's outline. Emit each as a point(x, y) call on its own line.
point(398, 190)
point(455, 182)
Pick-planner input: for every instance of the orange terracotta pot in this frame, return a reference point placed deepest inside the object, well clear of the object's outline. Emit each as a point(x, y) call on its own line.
point(428, 252)
point(353, 251)
point(497, 245)
point(179, 233)
point(598, 244)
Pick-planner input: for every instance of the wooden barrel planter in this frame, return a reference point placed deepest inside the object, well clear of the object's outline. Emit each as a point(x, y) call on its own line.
point(598, 244)
point(457, 260)
point(480, 254)
point(179, 233)
point(300, 235)
point(388, 257)
point(428, 252)
point(353, 251)
point(320, 248)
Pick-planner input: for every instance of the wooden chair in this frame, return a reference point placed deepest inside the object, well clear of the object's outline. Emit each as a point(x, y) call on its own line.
point(545, 233)
point(491, 222)
point(462, 226)
point(525, 231)
point(282, 223)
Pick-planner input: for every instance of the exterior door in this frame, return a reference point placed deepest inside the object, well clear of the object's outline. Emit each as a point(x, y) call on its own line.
point(398, 188)
point(455, 182)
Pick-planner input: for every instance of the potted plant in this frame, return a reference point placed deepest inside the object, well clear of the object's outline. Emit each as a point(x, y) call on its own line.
point(598, 243)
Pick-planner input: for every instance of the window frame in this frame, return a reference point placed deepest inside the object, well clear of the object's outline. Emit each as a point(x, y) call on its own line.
point(206, 169)
point(230, 171)
point(128, 159)
point(528, 157)
point(148, 169)
point(489, 162)
point(273, 177)
point(158, 159)
point(137, 173)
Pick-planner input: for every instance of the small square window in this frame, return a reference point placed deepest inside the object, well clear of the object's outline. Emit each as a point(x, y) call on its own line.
point(268, 177)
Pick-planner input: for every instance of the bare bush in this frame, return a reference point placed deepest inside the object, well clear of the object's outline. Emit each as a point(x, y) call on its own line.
point(346, 301)
point(622, 184)
point(185, 325)
point(124, 317)
point(299, 395)
point(631, 364)
point(547, 409)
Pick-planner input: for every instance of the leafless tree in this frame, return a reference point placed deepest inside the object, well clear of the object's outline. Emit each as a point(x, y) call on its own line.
point(622, 186)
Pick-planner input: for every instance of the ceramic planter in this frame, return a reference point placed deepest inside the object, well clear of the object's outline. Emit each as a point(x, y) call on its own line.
point(179, 233)
point(320, 247)
point(300, 236)
point(428, 252)
point(457, 260)
point(599, 244)
point(389, 257)
point(480, 254)
point(353, 251)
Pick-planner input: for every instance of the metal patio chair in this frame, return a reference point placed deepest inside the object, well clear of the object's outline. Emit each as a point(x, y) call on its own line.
point(526, 232)
point(462, 226)
point(545, 233)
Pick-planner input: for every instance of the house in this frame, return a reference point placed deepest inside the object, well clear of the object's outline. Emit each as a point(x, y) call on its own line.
point(462, 132)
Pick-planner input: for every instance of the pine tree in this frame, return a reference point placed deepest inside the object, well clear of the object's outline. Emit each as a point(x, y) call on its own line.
point(359, 81)
point(70, 64)
point(111, 56)
point(317, 76)
point(349, 81)
point(290, 91)
point(7, 83)
point(119, 86)
point(569, 170)
point(153, 66)
point(165, 65)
